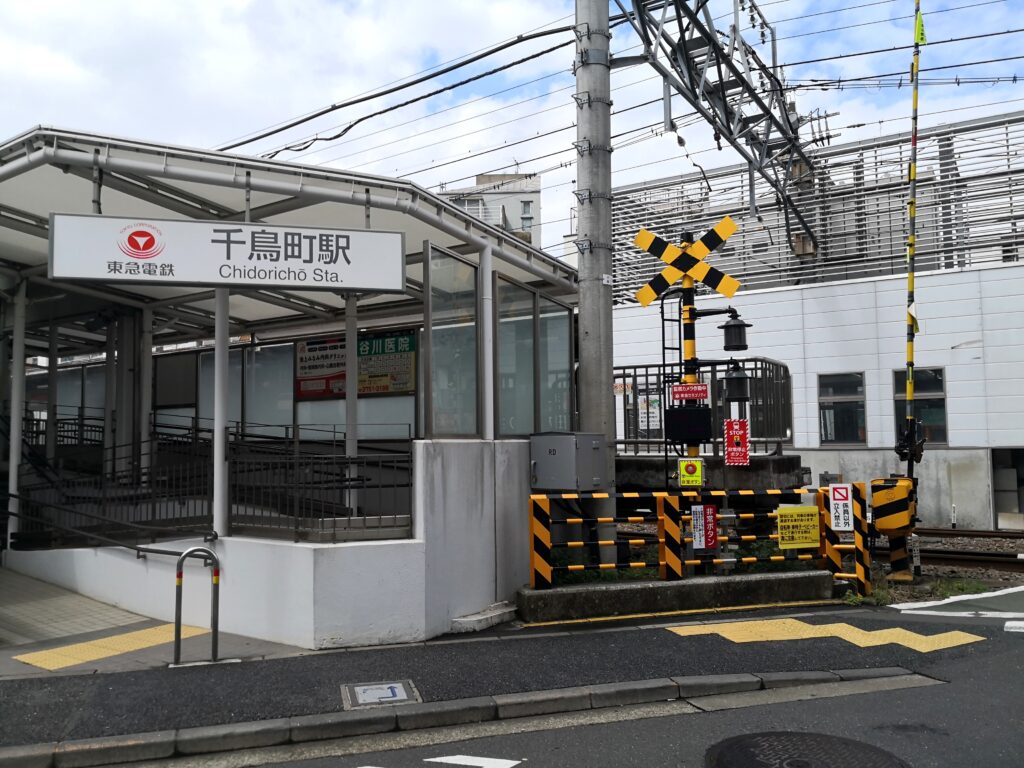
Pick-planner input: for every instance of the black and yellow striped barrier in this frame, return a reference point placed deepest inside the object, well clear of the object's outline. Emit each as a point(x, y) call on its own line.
point(672, 536)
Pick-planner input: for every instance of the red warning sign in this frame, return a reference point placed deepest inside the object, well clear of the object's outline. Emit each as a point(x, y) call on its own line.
point(737, 442)
point(689, 391)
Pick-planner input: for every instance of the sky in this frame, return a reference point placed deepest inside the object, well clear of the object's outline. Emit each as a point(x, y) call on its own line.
point(205, 73)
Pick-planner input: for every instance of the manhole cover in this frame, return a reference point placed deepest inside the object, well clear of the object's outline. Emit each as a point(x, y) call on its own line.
point(787, 749)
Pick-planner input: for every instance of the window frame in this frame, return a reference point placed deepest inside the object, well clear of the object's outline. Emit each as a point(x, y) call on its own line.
point(899, 398)
point(830, 399)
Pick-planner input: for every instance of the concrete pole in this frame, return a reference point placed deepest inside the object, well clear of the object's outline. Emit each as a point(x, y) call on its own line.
point(594, 233)
point(145, 393)
point(17, 407)
point(51, 395)
point(486, 326)
point(220, 414)
point(593, 189)
point(352, 392)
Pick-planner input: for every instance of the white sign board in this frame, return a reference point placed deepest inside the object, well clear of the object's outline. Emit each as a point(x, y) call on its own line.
point(224, 254)
point(841, 506)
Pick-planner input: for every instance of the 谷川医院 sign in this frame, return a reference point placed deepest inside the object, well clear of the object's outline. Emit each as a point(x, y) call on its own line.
point(224, 254)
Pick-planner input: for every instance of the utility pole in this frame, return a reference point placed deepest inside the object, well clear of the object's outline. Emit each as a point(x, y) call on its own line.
point(594, 230)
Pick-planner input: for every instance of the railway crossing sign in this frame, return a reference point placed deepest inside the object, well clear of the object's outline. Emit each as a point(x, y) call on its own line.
point(687, 261)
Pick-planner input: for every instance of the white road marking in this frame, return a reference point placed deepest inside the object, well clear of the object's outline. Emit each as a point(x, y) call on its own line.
point(1014, 626)
point(474, 762)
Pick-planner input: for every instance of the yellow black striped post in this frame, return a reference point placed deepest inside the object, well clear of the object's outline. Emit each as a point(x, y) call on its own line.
point(833, 558)
point(540, 542)
point(861, 554)
point(672, 523)
point(686, 260)
point(899, 560)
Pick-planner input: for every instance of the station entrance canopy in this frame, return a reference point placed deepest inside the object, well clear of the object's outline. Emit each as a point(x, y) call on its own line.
point(118, 247)
point(47, 171)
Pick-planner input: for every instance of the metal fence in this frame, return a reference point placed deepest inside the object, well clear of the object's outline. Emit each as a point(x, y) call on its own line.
point(278, 486)
point(642, 393)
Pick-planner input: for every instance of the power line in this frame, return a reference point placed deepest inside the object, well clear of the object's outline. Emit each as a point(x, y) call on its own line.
point(901, 48)
point(309, 142)
point(882, 21)
point(812, 82)
point(420, 72)
point(387, 91)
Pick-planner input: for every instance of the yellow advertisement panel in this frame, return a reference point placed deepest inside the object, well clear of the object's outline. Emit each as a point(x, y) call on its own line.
point(799, 527)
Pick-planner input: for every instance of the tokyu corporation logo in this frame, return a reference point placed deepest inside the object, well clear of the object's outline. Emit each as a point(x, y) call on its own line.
point(141, 241)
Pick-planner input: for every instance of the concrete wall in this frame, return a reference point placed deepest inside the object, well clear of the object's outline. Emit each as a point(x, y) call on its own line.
point(470, 549)
point(309, 595)
point(947, 476)
point(970, 327)
point(470, 510)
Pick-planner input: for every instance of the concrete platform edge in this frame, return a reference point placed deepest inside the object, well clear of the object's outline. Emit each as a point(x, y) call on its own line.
point(305, 728)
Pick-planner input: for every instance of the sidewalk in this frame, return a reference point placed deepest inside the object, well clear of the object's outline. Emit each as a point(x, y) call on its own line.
point(463, 675)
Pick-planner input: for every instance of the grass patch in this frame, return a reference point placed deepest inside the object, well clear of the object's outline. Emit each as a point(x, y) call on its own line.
point(951, 587)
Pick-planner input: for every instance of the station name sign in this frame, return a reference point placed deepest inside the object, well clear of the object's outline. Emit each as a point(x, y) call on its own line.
point(224, 254)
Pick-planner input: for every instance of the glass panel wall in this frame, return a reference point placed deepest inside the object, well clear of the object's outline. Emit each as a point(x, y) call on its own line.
point(515, 359)
point(269, 389)
point(453, 345)
point(555, 349)
point(206, 388)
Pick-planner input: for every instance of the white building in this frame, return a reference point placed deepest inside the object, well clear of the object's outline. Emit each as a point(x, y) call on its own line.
point(836, 316)
point(510, 201)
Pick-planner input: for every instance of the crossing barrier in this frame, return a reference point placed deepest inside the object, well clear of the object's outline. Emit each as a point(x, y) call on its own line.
point(675, 535)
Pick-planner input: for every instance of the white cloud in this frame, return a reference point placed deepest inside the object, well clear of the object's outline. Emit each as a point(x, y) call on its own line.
point(199, 72)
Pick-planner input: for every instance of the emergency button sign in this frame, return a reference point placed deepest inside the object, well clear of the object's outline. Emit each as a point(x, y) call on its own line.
point(691, 473)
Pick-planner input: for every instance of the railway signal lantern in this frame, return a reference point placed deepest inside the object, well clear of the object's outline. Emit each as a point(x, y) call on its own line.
point(735, 334)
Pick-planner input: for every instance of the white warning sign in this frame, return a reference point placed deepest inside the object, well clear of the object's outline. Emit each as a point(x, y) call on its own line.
point(841, 506)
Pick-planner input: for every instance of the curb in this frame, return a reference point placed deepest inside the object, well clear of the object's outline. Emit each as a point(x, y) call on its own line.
point(110, 750)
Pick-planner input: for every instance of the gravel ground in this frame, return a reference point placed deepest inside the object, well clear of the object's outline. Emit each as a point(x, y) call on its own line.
point(935, 581)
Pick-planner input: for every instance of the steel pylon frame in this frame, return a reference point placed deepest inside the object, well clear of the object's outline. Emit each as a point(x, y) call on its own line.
point(725, 81)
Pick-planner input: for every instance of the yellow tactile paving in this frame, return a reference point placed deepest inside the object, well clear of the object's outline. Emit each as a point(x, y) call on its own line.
point(792, 629)
point(80, 653)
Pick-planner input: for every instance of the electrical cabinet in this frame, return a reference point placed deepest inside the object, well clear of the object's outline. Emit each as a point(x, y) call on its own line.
point(569, 461)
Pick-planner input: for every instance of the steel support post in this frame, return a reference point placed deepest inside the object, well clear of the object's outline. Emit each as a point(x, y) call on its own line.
point(109, 393)
point(352, 396)
point(594, 237)
point(146, 393)
point(17, 407)
point(220, 414)
point(51, 394)
point(486, 326)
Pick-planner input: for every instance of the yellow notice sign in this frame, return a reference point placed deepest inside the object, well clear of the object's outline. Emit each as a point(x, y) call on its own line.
point(799, 527)
point(691, 473)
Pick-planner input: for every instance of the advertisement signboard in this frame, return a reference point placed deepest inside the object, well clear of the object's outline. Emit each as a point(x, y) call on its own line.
point(387, 366)
point(224, 254)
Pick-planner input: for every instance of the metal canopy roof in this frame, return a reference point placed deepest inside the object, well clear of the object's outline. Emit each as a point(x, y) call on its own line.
point(47, 170)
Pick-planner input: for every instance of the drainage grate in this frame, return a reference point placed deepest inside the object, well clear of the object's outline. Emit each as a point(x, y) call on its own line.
point(788, 749)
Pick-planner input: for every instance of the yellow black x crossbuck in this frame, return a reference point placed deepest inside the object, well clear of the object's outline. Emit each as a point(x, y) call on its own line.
point(687, 261)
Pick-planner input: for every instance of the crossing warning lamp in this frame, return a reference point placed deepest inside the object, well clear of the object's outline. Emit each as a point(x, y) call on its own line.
point(737, 384)
point(735, 334)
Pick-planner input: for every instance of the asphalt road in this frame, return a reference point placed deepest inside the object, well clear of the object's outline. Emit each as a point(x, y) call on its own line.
point(976, 719)
point(42, 709)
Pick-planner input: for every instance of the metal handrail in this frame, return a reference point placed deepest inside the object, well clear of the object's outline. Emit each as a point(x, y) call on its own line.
point(208, 534)
point(209, 557)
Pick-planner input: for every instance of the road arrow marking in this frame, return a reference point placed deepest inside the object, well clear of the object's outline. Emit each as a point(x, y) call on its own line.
point(474, 762)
